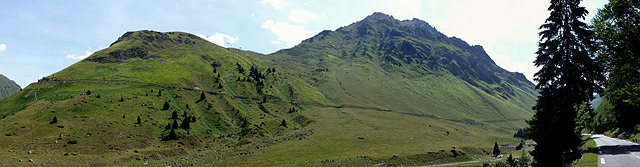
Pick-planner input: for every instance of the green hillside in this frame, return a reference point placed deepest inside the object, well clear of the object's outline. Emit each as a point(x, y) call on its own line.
point(7, 87)
point(377, 90)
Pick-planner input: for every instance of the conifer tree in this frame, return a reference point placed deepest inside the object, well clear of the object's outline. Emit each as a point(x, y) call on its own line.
point(165, 106)
point(202, 96)
point(185, 124)
point(175, 124)
point(139, 121)
point(88, 92)
point(496, 149)
point(55, 120)
point(511, 161)
point(174, 115)
point(172, 135)
point(567, 77)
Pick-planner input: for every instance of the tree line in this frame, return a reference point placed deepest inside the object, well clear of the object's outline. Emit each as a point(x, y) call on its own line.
point(576, 61)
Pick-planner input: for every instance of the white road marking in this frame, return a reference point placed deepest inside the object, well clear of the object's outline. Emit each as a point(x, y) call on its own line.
point(602, 161)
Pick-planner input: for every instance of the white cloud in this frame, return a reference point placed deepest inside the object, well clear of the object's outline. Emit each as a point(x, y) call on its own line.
point(79, 57)
point(276, 42)
point(3, 47)
point(224, 40)
point(277, 4)
point(287, 33)
point(301, 16)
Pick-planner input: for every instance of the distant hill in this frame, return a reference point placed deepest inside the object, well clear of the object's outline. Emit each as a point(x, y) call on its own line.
point(7, 87)
point(378, 90)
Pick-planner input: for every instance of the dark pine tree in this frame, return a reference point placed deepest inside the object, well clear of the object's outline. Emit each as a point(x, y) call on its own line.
point(55, 120)
point(567, 78)
point(202, 97)
point(139, 121)
point(175, 124)
point(496, 149)
point(159, 93)
point(174, 115)
point(617, 30)
point(511, 161)
point(88, 92)
point(165, 106)
point(185, 124)
point(168, 127)
point(172, 135)
point(284, 123)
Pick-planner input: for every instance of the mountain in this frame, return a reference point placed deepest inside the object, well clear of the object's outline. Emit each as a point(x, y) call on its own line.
point(7, 87)
point(409, 66)
point(378, 90)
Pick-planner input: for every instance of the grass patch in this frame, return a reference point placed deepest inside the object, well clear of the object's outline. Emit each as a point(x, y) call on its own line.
point(589, 153)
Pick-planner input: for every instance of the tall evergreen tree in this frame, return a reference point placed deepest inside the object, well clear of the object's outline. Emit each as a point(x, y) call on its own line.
point(174, 115)
point(617, 30)
point(185, 123)
point(568, 78)
point(496, 149)
point(175, 124)
point(165, 106)
point(172, 135)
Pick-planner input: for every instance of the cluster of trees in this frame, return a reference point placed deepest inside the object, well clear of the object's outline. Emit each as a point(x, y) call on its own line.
point(617, 30)
point(172, 127)
point(254, 76)
point(522, 133)
point(575, 58)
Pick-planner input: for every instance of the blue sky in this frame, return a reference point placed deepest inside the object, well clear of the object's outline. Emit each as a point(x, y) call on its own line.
point(38, 38)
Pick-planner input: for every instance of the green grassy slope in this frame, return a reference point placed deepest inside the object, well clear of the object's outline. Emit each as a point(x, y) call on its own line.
point(409, 67)
point(350, 108)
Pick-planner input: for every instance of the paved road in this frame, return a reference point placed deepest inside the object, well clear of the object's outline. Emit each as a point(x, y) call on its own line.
point(615, 152)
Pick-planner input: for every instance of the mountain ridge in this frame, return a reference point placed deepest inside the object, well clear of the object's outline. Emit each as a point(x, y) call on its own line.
point(7, 87)
point(362, 90)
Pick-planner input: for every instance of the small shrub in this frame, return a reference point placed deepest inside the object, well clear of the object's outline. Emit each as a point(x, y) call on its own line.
point(88, 92)
point(72, 142)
